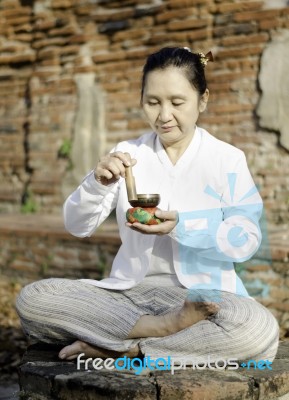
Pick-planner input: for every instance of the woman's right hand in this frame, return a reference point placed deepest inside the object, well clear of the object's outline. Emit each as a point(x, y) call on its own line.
point(112, 166)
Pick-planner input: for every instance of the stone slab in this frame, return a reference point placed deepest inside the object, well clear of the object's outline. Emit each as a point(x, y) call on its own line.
point(43, 376)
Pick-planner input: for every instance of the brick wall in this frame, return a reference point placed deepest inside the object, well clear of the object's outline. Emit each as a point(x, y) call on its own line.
point(44, 44)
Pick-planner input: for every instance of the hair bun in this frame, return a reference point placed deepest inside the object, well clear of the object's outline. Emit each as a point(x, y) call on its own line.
point(204, 58)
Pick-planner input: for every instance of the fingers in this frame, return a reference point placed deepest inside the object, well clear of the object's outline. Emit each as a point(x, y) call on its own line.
point(159, 229)
point(124, 157)
point(170, 221)
point(167, 215)
point(112, 166)
point(142, 228)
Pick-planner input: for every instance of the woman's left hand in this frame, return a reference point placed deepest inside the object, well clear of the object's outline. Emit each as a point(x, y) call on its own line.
point(171, 219)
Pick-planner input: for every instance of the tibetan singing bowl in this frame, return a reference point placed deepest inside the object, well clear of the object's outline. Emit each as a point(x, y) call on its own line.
point(146, 200)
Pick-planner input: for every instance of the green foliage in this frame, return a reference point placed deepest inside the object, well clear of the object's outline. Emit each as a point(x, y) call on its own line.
point(240, 267)
point(29, 204)
point(44, 266)
point(65, 149)
point(102, 264)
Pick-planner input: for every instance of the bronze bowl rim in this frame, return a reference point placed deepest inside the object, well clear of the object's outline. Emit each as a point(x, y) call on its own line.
point(146, 200)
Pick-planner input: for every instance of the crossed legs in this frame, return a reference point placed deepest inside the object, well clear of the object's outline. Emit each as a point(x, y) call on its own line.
point(158, 321)
point(148, 326)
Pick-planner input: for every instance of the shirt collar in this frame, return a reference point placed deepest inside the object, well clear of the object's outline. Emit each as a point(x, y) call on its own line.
point(187, 156)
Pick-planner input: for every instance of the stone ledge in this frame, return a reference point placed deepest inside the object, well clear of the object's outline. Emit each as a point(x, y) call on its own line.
point(44, 225)
point(38, 246)
point(52, 225)
point(43, 376)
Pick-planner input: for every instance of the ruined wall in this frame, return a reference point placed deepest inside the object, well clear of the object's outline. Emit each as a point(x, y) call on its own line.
point(70, 82)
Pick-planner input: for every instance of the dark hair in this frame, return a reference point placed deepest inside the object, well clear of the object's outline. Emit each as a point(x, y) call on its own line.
point(181, 58)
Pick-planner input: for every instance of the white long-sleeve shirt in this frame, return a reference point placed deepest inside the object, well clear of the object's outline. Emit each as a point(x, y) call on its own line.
point(218, 204)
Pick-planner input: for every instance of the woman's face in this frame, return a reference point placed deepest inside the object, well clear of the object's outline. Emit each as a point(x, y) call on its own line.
point(172, 105)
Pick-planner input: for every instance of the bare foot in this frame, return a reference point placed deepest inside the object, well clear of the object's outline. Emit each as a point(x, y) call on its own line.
point(189, 314)
point(73, 350)
point(174, 321)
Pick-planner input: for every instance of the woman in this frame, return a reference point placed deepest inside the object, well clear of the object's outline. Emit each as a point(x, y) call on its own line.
point(172, 289)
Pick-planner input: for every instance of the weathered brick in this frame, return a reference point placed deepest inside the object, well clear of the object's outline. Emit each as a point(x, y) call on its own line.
point(23, 28)
point(180, 13)
point(112, 56)
point(231, 76)
point(17, 58)
point(256, 15)
point(18, 20)
point(240, 52)
point(285, 11)
point(67, 30)
point(17, 11)
point(178, 37)
point(58, 41)
point(286, 24)
point(230, 108)
point(9, 4)
point(144, 10)
point(84, 9)
point(45, 24)
point(115, 86)
point(65, 38)
point(238, 29)
point(24, 37)
point(112, 15)
point(187, 3)
point(63, 4)
point(188, 24)
point(130, 34)
point(199, 34)
point(267, 24)
point(143, 22)
point(242, 39)
point(240, 6)
point(157, 38)
point(137, 124)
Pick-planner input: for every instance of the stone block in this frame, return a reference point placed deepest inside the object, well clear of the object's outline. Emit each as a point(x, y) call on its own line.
point(16, 20)
point(167, 16)
point(243, 39)
point(202, 384)
point(256, 15)
point(186, 3)
point(130, 34)
point(43, 373)
point(63, 4)
point(235, 29)
point(271, 384)
point(188, 24)
point(102, 57)
point(18, 58)
point(241, 52)
point(268, 24)
point(226, 7)
point(114, 26)
point(275, 116)
point(148, 9)
point(49, 41)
